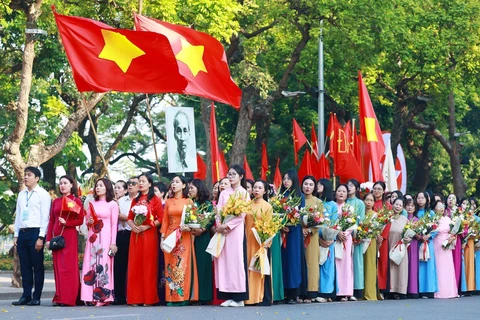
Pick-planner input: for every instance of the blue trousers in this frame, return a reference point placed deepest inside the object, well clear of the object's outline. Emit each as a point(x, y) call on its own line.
point(31, 263)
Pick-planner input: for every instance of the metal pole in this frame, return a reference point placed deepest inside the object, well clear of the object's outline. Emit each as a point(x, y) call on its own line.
point(321, 108)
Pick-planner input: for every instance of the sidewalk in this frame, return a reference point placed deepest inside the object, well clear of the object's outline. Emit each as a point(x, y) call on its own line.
point(7, 292)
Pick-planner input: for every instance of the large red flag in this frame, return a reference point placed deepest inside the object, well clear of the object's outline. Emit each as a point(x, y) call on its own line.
point(264, 162)
point(215, 151)
point(345, 164)
point(324, 167)
point(370, 129)
point(68, 205)
point(277, 178)
point(330, 133)
point(305, 167)
point(201, 169)
point(299, 139)
point(246, 167)
point(202, 60)
point(223, 165)
point(104, 58)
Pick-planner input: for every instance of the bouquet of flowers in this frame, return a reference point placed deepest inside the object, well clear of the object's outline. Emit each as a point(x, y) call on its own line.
point(397, 253)
point(282, 204)
point(347, 222)
point(266, 227)
point(314, 216)
point(197, 216)
point(384, 216)
point(367, 230)
point(141, 213)
point(471, 228)
point(236, 206)
point(365, 188)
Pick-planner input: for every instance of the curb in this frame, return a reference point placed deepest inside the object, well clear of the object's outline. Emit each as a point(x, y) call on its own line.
point(16, 295)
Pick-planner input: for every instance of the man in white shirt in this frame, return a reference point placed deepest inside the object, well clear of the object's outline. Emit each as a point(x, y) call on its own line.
point(31, 222)
point(120, 266)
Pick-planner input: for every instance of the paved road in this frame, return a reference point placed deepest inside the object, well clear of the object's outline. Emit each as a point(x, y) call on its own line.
point(464, 308)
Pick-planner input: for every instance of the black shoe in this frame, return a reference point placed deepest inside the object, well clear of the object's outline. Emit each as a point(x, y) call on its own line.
point(34, 302)
point(23, 301)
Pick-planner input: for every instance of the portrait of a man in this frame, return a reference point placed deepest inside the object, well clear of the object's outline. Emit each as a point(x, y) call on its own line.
point(181, 145)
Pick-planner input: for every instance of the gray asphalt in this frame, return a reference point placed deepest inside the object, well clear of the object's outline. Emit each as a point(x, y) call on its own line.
point(463, 308)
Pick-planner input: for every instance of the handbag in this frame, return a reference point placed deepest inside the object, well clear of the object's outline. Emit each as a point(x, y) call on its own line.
point(58, 242)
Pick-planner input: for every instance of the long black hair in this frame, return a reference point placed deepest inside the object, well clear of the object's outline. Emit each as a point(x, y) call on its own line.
point(151, 191)
point(295, 188)
point(239, 170)
point(265, 186)
point(384, 187)
point(327, 194)
point(110, 194)
point(340, 185)
point(357, 187)
point(202, 192)
point(184, 181)
point(314, 183)
point(74, 189)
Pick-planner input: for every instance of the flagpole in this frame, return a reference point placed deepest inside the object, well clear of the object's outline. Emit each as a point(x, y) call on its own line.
point(99, 146)
point(153, 137)
point(321, 108)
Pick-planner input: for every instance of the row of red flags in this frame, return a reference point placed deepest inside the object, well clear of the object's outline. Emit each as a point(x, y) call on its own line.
point(353, 155)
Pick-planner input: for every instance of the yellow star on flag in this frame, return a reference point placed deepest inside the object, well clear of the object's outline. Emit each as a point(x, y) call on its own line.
point(70, 204)
point(119, 49)
point(370, 129)
point(192, 56)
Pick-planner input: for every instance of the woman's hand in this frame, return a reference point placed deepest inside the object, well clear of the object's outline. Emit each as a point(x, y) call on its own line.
point(197, 232)
point(47, 245)
point(285, 229)
point(135, 228)
point(418, 237)
point(341, 236)
point(426, 238)
point(379, 240)
point(90, 221)
point(114, 248)
point(62, 221)
point(221, 228)
point(306, 232)
point(185, 228)
point(406, 240)
point(324, 243)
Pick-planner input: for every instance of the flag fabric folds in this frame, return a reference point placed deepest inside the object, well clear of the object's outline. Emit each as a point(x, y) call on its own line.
point(324, 168)
point(305, 167)
point(299, 139)
point(277, 178)
point(105, 59)
point(246, 167)
point(370, 129)
point(68, 205)
point(264, 162)
point(314, 142)
point(201, 169)
point(201, 59)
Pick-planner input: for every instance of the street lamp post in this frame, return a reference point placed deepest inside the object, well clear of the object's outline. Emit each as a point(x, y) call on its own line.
point(321, 107)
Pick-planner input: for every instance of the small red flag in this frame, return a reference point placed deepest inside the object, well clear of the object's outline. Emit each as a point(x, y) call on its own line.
point(248, 172)
point(201, 169)
point(104, 58)
point(92, 212)
point(264, 162)
point(202, 60)
point(68, 205)
point(370, 129)
point(277, 178)
point(299, 139)
point(305, 167)
point(324, 167)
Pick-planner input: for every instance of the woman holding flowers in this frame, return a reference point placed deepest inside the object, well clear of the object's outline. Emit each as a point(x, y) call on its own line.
point(310, 234)
point(398, 272)
point(370, 257)
point(65, 260)
point(260, 211)
point(381, 205)
point(97, 271)
point(412, 289)
point(359, 207)
point(230, 265)
point(180, 267)
point(447, 285)
point(469, 248)
point(344, 258)
point(327, 242)
point(144, 217)
point(427, 274)
point(198, 192)
point(451, 210)
point(294, 267)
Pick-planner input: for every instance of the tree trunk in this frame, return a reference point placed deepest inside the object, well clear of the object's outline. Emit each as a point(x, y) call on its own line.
point(49, 175)
point(421, 176)
point(459, 185)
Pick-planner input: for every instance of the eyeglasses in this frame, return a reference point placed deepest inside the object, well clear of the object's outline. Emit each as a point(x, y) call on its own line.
point(231, 174)
point(132, 183)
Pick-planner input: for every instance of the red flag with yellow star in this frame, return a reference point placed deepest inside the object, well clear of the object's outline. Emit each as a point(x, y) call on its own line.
point(202, 60)
point(105, 59)
point(68, 205)
point(370, 129)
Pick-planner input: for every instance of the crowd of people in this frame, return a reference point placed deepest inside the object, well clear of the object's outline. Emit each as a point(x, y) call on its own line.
point(128, 258)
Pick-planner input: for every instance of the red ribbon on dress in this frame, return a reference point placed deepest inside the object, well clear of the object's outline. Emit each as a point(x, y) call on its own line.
point(306, 242)
point(425, 244)
point(284, 240)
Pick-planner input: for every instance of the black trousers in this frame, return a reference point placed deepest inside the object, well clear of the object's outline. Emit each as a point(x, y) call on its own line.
point(121, 266)
point(31, 263)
